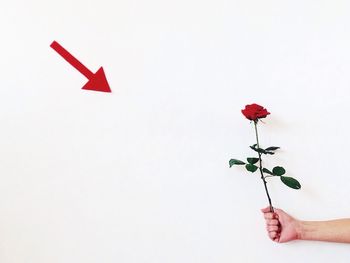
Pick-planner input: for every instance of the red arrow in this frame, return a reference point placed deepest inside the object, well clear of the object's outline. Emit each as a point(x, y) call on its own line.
point(97, 81)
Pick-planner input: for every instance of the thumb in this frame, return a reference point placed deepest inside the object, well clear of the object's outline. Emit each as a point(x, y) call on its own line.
point(279, 212)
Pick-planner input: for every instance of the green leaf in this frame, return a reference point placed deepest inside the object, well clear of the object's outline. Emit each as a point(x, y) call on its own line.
point(259, 150)
point(272, 148)
point(235, 162)
point(251, 167)
point(278, 170)
point(267, 171)
point(290, 182)
point(266, 152)
point(252, 160)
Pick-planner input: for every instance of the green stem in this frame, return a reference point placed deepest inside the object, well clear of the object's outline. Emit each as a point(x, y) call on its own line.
point(261, 168)
point(256, 134)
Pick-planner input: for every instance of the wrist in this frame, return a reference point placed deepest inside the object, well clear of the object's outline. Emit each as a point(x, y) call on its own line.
point(299, 228)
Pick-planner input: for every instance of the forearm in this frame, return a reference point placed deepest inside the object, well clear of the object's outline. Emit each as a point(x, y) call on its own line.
point(331, 231)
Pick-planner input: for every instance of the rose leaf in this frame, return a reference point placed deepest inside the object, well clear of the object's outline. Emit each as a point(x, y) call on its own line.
point(290, 182)
point(251, 167)
point(265, 170)
point(235, 162)
point(252, 160)
point(278, 171)
point(272, 148)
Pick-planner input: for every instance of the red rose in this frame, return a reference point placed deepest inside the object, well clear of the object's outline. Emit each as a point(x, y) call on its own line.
point(254, 112)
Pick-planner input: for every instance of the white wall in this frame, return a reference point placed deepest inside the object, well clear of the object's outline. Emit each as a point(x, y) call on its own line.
point(141, 174)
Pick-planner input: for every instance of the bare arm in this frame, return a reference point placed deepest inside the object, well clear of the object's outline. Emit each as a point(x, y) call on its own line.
point(331, 231)
point(282, 227)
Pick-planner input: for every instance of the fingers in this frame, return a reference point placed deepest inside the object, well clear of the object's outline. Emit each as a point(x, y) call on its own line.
point(266, 209)
point(274, 236)
point(272, 224)
point(271, 216)
point(271, 219)
point(274, 233)
point(271, 228)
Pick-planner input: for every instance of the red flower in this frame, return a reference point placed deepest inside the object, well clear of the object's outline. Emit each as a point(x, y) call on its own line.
point(254, 112)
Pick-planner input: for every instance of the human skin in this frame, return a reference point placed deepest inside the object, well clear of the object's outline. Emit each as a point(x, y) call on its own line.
point(281, 227)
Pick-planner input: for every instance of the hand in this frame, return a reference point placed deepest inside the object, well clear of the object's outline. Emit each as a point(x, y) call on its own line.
point(280, 226)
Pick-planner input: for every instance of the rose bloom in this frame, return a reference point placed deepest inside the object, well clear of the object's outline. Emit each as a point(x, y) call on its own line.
point(254, 112)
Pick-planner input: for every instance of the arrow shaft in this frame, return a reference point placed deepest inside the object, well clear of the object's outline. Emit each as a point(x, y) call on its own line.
point(71, 60)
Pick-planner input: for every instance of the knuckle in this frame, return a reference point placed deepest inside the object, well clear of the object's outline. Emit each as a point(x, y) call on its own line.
point(273, 228)
point(273, 222)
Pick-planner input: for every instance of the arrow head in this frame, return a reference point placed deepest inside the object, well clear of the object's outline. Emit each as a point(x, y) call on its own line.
point(98, 82)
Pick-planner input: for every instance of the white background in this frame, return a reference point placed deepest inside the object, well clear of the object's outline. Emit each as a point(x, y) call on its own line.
point(141, 174)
